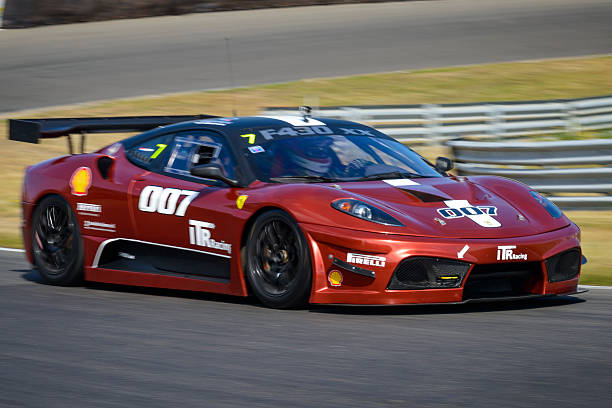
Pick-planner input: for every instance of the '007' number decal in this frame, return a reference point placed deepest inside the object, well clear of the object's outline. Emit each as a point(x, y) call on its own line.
point(165, 200)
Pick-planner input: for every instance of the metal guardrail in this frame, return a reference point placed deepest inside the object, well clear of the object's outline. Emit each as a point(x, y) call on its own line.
point(575, 169)
point(439, 123)
point(576, 174)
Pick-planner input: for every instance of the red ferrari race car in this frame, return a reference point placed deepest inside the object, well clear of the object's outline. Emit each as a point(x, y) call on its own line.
point(290, 209)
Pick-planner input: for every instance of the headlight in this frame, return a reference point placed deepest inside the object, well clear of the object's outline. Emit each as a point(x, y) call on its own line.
point(548, 205)
point(364, 211)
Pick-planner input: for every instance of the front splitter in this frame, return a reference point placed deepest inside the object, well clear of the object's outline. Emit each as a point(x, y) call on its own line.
point(500, 299)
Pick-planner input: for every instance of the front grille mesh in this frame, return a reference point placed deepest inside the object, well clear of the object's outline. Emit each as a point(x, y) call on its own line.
point(502, 280)
point(428, 273)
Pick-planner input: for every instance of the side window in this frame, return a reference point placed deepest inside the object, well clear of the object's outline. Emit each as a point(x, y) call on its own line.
point(199, 147)
point(149, 151)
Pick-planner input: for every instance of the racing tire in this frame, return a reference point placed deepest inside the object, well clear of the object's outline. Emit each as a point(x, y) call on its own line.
point(278, 266)
point(57, 247)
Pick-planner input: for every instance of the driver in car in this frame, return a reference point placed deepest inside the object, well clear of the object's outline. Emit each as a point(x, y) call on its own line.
point(311, 157)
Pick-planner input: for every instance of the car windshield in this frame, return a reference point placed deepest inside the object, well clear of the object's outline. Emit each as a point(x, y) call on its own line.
point(291, 157)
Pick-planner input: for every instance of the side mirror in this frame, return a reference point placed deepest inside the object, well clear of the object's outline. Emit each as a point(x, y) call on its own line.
point(212, 171)
point(444, 164)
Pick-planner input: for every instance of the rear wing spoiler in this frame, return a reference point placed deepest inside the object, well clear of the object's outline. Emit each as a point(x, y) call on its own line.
point(32, 130)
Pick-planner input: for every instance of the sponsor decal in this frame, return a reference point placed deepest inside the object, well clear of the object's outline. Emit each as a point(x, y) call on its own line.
point(304, 130)
point(251, 137)
point(126, 255)
point(99, 226)
point(165, 200)
point(368, 260)
point(92, 208)
point(463, 251)
point(200, 235)
point(481, 215)
point(356, 132)
point(401, 182)
point(506, 253)
point(80, 181)
point(256, 149)
point(335, 278)
point(240, 201)
point(160, 148)
point(439, 221)
point(146, 149)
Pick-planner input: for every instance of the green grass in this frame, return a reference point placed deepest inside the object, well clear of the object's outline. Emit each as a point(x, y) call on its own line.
point(595, 227)
point(530, 80)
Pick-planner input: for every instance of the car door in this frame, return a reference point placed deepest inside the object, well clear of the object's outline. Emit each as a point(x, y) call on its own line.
point(182, 224)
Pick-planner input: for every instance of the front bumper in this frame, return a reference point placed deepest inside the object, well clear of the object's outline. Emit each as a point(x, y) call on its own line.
point(334, 283)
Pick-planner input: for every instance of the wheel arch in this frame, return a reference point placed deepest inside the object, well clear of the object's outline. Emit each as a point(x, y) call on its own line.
point(75, 268)
point(27, 219)
point(248, 226)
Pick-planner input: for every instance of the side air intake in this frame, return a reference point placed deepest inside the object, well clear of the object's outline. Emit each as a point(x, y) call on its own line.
point(563, 266)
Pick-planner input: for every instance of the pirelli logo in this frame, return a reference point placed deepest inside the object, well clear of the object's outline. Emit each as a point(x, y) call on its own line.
point(369, 260)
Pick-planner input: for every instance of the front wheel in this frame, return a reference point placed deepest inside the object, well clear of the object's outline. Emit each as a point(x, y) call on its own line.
point(56, 242)
point(278, 265)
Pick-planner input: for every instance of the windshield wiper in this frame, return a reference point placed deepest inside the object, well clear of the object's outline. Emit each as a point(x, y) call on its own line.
point(314, 179)
point(389, 175)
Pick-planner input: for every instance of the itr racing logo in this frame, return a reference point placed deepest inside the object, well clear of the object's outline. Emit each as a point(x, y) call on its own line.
point(370, 260)
point(200, 235)
point(506, 253)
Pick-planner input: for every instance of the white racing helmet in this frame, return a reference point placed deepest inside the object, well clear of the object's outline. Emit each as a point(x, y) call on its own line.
point(314, 156)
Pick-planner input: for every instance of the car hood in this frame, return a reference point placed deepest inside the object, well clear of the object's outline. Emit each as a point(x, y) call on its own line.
point(449, 207)
point(460, 207)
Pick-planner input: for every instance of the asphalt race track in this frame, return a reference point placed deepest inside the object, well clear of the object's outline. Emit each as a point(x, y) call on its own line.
point(110, 346)
point(50, 66)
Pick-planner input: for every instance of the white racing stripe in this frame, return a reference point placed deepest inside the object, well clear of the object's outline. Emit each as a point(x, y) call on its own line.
point(296, 120)
point(401, 182)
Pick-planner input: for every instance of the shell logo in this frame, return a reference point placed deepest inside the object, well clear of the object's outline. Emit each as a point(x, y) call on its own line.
point(80, 181)
point(335, 278)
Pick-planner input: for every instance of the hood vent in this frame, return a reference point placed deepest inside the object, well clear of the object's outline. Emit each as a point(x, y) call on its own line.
point(426, 197)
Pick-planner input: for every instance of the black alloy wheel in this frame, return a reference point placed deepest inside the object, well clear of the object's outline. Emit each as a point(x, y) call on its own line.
point(56, 242)
point(278, 265)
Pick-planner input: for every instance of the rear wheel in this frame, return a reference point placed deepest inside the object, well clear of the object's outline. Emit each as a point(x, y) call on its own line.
point(56, 242)
point(278, 265)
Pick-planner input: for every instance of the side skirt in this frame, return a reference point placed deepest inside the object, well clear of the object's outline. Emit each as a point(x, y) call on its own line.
point(156, 281)
point(130, 255)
